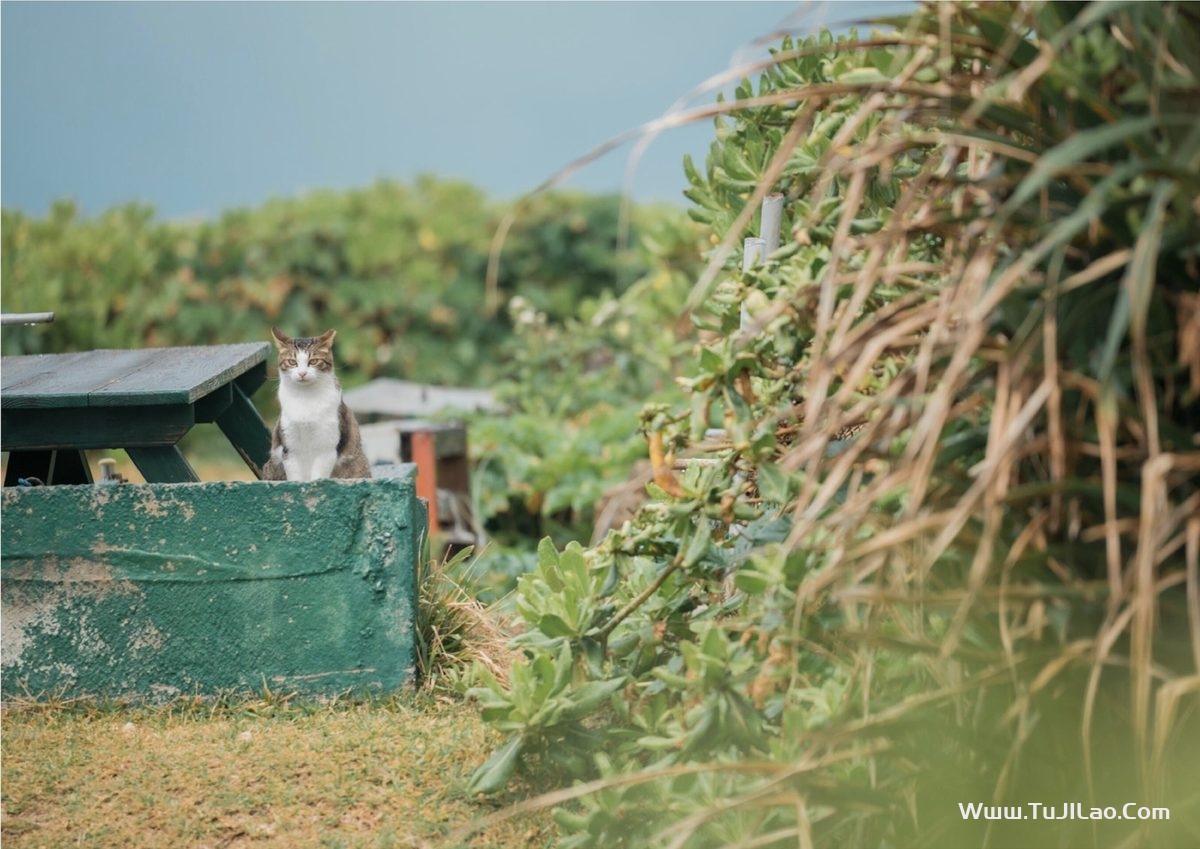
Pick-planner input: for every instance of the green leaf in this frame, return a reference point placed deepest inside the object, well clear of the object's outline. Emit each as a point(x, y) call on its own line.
point(774, 484)
point(711, 361)
point(612, 579)
point(862, 76)
point(547, 553)
point(698, 545)
point(572, 563)
point(498, 769)
point(547, 559)
point(562, 669)
point(751, 583)
point(554, 626)
point(673, 679)
point(588, 697)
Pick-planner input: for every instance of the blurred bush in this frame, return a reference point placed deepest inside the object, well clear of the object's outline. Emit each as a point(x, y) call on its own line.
point(574, 389)
point(397, 269)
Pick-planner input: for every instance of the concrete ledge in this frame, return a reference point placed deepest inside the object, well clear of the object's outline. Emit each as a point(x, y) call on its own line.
point(158, 590)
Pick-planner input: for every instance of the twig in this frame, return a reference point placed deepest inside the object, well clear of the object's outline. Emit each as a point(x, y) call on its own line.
point(624, 613)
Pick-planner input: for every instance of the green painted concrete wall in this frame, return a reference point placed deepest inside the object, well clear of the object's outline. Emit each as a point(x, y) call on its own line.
point(164, 589)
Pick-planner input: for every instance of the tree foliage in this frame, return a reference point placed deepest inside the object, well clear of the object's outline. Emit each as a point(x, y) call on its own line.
point(573, 391)
point(949, 550)
point(398, 270)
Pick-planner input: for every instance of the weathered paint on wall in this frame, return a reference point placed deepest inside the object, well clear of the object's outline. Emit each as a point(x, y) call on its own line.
point(164, 589)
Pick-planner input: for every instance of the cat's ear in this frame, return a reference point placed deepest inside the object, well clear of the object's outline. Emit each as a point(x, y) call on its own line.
point(281, 339)
point(325, 340)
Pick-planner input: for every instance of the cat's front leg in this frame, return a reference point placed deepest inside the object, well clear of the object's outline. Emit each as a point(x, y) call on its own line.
point(322, 465)
point(293, 468)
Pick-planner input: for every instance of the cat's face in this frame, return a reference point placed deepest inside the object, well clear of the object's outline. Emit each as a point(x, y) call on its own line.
point(305, 361)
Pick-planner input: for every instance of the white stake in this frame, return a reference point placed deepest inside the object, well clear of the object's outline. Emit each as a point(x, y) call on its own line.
point(772, 217)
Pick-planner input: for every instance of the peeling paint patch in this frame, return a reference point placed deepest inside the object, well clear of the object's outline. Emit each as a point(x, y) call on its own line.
point(57, 605)
point(151, 506)
point(145, 637)
point(164, 692)
point(18, 623)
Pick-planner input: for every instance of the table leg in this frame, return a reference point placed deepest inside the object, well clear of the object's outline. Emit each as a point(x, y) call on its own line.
point(50, 467)
point(70, 467)
point(246, 430)
point(162, 464)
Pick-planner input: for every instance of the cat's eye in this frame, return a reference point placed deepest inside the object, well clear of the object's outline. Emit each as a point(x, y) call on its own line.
point(318, 363)
point(287, 362)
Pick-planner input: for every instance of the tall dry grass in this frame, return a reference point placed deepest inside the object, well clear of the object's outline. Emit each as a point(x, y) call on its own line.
point(1051, 588)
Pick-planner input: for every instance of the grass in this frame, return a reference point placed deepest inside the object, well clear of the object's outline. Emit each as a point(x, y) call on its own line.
point(237, 773)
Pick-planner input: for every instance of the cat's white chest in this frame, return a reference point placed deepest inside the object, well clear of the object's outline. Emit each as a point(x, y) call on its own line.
point(309, 419)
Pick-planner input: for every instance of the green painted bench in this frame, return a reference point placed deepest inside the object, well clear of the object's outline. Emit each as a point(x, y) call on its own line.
point(55, 406)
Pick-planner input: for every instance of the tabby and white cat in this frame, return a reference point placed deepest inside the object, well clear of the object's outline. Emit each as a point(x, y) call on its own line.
point(316, 435)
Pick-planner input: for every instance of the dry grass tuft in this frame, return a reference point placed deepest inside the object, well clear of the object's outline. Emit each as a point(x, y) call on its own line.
point(458, 631)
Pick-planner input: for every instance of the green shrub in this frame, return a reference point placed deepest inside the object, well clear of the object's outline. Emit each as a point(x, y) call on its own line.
point(573, 389)
point(949, 553)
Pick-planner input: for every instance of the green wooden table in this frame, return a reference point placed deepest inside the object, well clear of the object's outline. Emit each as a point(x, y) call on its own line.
point(54, 406)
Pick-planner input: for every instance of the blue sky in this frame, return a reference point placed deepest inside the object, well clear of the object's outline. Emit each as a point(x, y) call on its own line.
point(199, 107)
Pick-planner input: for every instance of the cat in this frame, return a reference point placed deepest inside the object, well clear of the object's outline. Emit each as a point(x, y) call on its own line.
point(316, 435)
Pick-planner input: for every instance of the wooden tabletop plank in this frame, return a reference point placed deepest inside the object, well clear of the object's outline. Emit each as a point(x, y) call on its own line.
point(181, 375)
point(72, 381)
point(121, 378)
point(16, 372)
